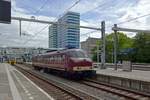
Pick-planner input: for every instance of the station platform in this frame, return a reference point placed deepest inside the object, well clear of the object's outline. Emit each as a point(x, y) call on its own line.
point(134, 74)
point(15, 86)
point(136, 79)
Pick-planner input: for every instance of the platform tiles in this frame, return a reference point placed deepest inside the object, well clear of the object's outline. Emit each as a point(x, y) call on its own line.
point(15, 86)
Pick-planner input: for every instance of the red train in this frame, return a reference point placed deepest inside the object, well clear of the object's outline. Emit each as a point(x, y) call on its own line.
point(71, 62)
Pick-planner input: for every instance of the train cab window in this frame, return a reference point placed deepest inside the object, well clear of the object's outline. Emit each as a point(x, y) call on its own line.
point(77, 54)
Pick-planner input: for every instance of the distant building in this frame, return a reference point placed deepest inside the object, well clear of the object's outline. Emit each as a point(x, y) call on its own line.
point(21, 52)
point(68, 32)
point(53, 36)
point(89, 44)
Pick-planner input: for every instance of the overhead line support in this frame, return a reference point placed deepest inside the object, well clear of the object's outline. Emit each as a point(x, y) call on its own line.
point(51, 22)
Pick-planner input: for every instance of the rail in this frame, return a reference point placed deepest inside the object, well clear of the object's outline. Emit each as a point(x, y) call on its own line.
point(123, 92)
point(78, 95)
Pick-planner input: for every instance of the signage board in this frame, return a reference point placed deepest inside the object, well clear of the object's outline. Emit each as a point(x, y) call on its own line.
point(5, 11)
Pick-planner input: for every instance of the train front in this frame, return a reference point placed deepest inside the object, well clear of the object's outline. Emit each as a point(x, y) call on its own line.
point(80, 64)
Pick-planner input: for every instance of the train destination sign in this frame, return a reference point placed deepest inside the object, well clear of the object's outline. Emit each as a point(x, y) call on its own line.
point(5, 11)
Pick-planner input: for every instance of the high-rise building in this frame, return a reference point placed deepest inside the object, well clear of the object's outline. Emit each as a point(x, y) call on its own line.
point(68, 32)
point(53, 36)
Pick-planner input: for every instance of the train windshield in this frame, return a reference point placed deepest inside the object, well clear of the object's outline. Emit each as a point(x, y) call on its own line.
point(77, 54)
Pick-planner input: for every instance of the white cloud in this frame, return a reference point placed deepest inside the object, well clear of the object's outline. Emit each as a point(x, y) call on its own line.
point(10, 33)
point(86, 5)
point(142, 8)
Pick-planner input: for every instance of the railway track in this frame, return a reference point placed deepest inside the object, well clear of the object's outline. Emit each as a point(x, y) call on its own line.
point(56, 90)
point(122, 92)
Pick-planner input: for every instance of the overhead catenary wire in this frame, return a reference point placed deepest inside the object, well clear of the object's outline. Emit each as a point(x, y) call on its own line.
point(48, 25)
point(44, 4)
point(88, 33)
point(60, 15)
point(73, 5)
point(100, 5)
point(35, 35)
point(37, 11)
point(129, 20)
point(132, 19)
point(67, 9)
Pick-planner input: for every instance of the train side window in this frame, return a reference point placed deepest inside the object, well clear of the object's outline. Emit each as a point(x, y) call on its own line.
point(59, 58)
point(49, 58)
point(52, 58)
point(56, 58)
point(63, 57)
point(46, 59)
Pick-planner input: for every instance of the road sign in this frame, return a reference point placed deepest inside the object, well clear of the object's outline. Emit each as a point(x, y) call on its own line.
point(5, 11)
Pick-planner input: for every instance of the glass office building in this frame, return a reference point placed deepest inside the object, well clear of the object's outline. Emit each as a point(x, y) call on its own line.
point(53, 36)
point(68, 31)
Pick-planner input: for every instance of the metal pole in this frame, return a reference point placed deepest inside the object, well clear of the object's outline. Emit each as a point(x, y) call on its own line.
point(115, 47)
point(97, 54)
point(103, 45)
point(20, 27)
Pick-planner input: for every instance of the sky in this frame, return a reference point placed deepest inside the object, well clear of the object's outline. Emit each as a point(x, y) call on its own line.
point(92, 12)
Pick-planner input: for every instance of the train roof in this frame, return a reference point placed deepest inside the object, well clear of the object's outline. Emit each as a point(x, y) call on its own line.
point(59, 51)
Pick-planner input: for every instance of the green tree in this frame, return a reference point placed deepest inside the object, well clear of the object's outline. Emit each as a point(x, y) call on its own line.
point(142, 47)
point(94, 51)
point(124, 42)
